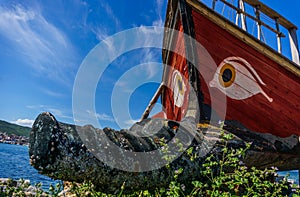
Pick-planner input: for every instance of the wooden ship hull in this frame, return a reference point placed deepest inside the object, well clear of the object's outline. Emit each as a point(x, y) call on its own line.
point(260, 84)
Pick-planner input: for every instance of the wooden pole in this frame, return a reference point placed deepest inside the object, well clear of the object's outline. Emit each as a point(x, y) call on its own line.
point(191, 57)
point(243, 17)
point(258, 24)
point(294, 45)
point(278, 36)
point(153, 101)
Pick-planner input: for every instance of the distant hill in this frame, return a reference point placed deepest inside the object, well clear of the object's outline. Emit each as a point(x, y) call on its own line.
point(10, 128)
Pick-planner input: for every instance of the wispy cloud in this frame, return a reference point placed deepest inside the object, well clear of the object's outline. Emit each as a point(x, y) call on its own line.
point(103, 31)
point(150, 55)
point(53, 93)
point(129, 123)
point(102, 116)
point(24, 122)
point(111, 14)
point(45, 47)
point(59, 112)
point(159, 10)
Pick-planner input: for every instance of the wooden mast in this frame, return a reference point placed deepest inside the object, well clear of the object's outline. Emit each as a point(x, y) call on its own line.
point(191, 54)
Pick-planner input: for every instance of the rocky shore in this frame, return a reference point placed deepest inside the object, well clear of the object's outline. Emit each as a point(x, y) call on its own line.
point(10, 187)
point(13, 139)
point(19, 188)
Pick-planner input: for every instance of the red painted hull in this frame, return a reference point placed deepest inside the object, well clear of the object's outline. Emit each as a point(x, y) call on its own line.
point(279, 116)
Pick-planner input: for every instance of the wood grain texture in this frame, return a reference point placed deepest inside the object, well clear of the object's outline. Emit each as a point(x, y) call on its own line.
point(281, 76)
point(280, 117)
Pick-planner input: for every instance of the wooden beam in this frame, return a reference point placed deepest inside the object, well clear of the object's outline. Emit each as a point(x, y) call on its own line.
point(170, 23)
point(252, 17)
point(294, 46)
point(153, 101)
point(258, 24)
point(192, 58)
point(271, 13)
point(245, 37)
point(278, 35)
point(242, 15)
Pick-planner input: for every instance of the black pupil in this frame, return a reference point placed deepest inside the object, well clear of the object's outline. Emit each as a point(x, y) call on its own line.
point(227, 75)
point(180, 85)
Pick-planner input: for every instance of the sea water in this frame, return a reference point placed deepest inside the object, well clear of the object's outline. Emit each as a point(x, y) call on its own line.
point(292, 175)
point(14, 163)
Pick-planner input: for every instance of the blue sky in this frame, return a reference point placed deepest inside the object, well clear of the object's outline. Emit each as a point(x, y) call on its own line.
point(43, 43)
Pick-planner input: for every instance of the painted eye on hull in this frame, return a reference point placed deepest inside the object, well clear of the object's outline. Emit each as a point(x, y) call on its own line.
point(179, 88)
point(236, 78)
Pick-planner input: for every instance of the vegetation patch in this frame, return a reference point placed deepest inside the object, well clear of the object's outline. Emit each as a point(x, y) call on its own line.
point(224, 174)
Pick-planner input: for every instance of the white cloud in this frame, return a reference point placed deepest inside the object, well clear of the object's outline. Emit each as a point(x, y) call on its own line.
point(35, 106)
point(102, 32)
point(24, 122)
point(149, 55)
point(159, 22)
point(45, 47)
point(103, 116)
point(111, 14)
point(159, 10)
point(129, 123)
point(56, 111)
point(53, 93)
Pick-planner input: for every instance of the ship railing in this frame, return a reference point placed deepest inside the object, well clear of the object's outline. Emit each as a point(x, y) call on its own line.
point(261, 22)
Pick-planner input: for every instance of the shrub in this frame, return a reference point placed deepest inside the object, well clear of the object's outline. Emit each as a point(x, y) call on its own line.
point(223, 174)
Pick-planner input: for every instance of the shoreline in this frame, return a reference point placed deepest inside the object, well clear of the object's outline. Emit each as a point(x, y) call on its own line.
point(14, 139)
point(14, 143)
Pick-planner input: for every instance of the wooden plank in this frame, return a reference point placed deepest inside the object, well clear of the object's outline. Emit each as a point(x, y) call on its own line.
point(191, 56)
point(248, 112)
point(222, 39)
point(177, 62)
point(245, 37)
point(252, 17)
point(232, 46)
point(279, 117)
point(227, 41)
point(271, 13)
point(294, 46)
point(249, 116)
point(153, 101)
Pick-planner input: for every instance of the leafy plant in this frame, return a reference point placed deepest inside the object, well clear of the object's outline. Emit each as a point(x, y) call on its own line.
point(20, 188)
point(226, 175)
point(223, 174)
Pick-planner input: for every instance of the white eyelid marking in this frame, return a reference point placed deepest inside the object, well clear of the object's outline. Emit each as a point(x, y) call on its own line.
point(248, 66)
point(255, 74)
point(246, 81)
